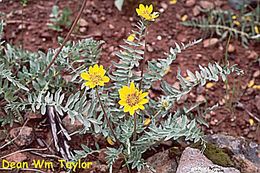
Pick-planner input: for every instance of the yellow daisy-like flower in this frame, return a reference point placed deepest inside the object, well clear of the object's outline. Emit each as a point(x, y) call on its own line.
point(95, 76)
point(256, 30)
point(132, 99)
point(146, 12)
point(131, 37)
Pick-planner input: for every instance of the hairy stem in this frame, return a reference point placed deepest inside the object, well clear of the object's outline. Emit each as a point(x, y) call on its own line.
point(135, 121)
point(66, 38)
point(106, 117)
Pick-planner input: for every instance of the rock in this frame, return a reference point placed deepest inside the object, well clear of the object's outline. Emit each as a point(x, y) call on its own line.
point(257, 102)
point(206, 5)
point(200, 98)
point(149, 48)
point(164, 5)
point(256, 74)
point(17, 157)
point(103, 18)
point(210, 42)
point(244, 152)
point(190, 3)
point(71, 127)
point(196, 10)
point(231, 48)
point(251, 54)
point(245, 165)
point(3, 134)
point(181, 37)
point(95, 18)
point(161, 162)
point(82, 29)
point(193, 161)
point(200, 89)
point(83, 23)
point(25, 138)
point(110, 26)
point(159, 37)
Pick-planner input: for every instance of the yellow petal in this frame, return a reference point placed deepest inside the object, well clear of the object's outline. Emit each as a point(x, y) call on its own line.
point(154, 15)
point(141, 107)
point(105, 79)
point(138, 11)
point(256, 87)
point(256, 30)
point(91, 70)
point(141, 7)
point(150, 9)
point(143, 95)
point(127, 108)
point(131, 111)
point(122, 102)
point(101, 70)
point(184, 17)
point(251, 83)
point(143, 101)
point(132, 87)
point(210, 85)
point(173, 1)
point(101, 83)
point(147, 121)
point(251, 122)
point(123, 92)
point(85, 76)
point(110, 141)
point(131, 37)
point(90, 84)
point(96, 68)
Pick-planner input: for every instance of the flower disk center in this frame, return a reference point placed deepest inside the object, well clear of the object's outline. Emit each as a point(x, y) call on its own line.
point(132, 99)
point(95, 78)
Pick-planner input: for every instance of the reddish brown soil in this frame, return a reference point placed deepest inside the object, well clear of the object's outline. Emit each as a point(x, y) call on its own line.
point(26, 27)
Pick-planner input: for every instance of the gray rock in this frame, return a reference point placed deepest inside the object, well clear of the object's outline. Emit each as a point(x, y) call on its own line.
point(246, 153)
point(72, 127)
point(17, 157)
point(162, 163)
point(190, 3)
point(210, 42)
point(206, 5)
point(24, 135)
point(193, 161)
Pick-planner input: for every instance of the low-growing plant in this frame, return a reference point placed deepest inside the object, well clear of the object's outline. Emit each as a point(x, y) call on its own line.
point(244, 26)
point(114, 103)
point(59, 19)
point(119, 4)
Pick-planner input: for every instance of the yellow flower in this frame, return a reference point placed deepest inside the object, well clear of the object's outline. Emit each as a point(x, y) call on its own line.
point(236, 22)
point(184, 17)
point(132, 99)
point(146, 12)
point(256, 87)
point(256, 30)
point(251, 83)
point(251, 122)
point(173, 1)
point(110, 141)
point(95, 76)
point(209, 85)
point(147, 121)
point(131, 37)
point(234, 17)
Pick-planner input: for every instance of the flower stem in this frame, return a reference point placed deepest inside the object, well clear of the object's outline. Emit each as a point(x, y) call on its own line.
point(106, 117)
point(135, 121)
